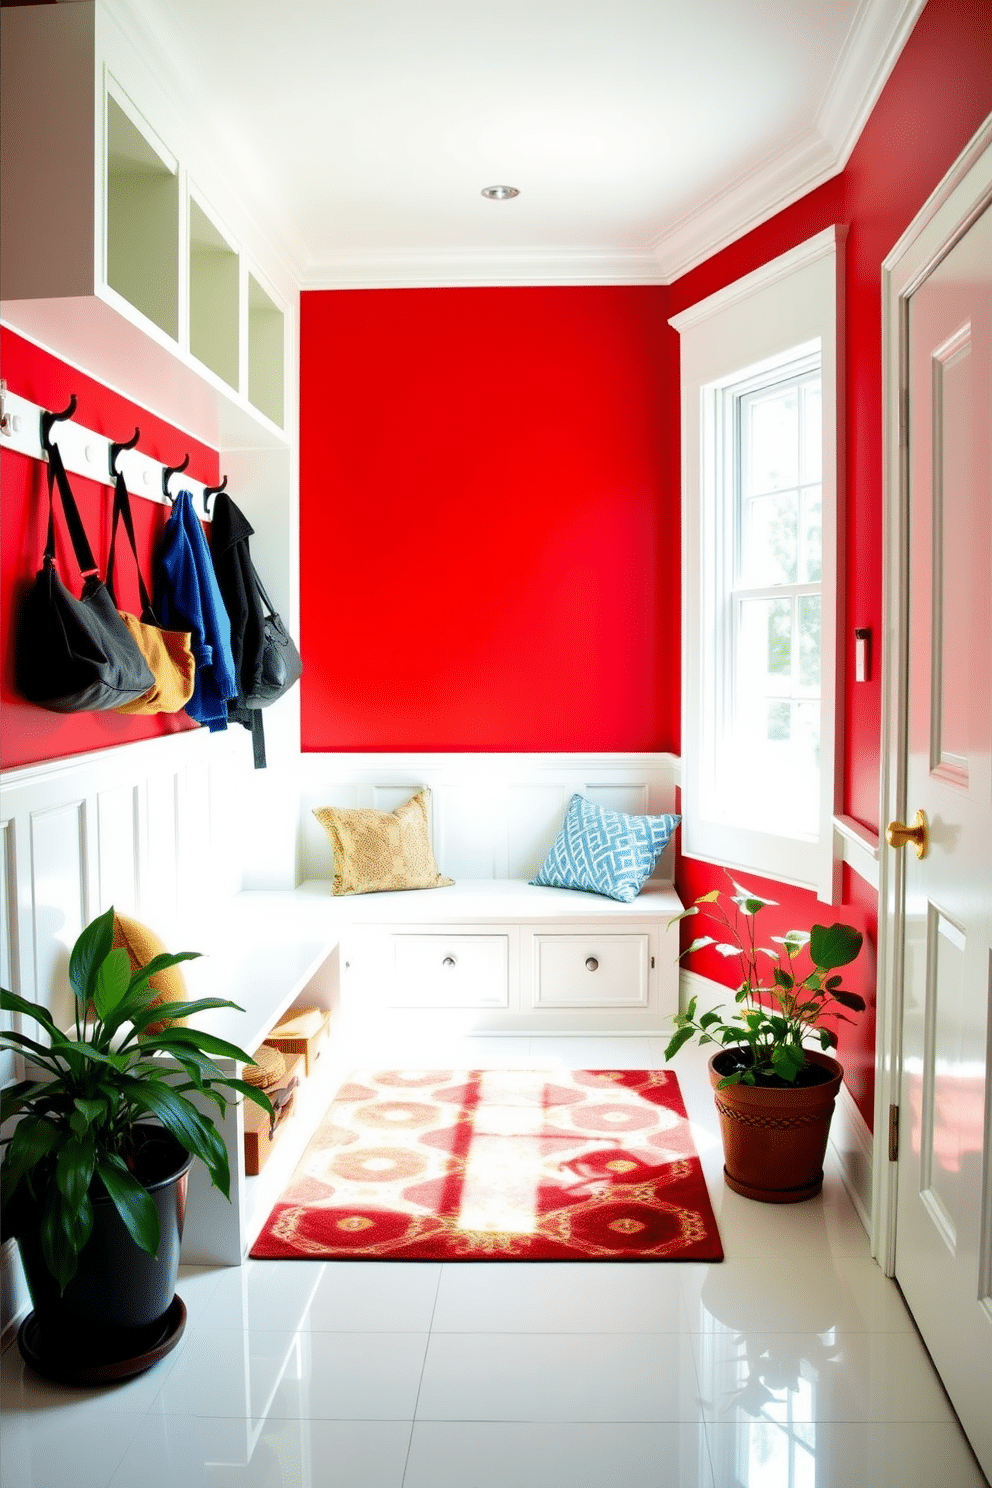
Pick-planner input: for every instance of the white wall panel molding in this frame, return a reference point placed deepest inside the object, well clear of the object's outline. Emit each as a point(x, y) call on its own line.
point(493, 815)
point(138, 827)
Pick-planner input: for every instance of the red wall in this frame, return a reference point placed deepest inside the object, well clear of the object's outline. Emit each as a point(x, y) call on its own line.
point(30, 734)
point(939, 93)
point(489, 536)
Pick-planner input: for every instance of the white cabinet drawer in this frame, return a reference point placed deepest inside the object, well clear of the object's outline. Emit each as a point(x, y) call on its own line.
point(590, 971)
point(450, 971)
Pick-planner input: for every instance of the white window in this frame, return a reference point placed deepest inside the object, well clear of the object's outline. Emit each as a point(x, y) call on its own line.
point(760, 400)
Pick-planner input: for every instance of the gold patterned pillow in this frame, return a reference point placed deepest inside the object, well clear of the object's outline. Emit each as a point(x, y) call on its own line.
point(143, 945)
point(382, 850)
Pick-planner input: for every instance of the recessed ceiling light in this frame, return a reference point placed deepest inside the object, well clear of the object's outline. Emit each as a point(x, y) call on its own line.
point(500, 193)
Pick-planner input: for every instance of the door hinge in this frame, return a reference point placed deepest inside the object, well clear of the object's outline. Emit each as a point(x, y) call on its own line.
point(903, 417)
point(652, 963)
point(893, 1134)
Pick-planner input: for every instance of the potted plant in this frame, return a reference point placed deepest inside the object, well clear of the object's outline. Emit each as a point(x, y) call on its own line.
point(94, 1173)
point(774, 1094)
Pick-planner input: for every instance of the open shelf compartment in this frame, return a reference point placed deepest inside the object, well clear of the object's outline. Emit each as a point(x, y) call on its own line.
point(214, 292)
point(265, 353)
point(142, 197)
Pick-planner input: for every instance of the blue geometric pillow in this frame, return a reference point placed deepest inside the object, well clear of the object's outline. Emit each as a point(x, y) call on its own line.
point(605, 852)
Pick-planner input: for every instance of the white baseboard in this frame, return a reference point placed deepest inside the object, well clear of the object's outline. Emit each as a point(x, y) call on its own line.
point(852, 1143)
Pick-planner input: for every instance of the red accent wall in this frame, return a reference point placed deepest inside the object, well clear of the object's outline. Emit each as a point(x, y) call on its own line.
point(489, 531)
point(938, 95)
point(31, 734)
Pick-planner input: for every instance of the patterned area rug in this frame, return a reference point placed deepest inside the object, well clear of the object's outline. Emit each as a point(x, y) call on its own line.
point(512, 1165)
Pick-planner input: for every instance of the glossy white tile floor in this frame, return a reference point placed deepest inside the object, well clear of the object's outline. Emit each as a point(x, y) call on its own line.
point(794, 1364)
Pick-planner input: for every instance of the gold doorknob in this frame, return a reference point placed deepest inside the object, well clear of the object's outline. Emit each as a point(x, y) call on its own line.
point(898, 834)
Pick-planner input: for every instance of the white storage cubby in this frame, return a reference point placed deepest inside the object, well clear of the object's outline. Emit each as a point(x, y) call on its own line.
point(214, 297)
point(141, 191)
point(266, 333)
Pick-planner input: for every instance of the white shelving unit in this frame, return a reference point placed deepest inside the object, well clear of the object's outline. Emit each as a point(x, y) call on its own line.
point(270, 952)
point(112, 258)
point(126, 253)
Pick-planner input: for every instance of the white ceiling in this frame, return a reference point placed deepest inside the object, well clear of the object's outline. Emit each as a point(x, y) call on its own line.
point(642, 134)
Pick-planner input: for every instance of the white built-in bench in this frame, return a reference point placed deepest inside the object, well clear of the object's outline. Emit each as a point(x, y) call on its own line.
point(182, 834)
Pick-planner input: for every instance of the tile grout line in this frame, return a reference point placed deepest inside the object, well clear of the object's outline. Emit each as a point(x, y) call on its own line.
point(423, 1368)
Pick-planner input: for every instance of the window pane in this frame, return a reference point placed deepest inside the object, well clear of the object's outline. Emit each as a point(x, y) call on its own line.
point(809, 641)
point(779, 721)
point(812, 535)
point(764, 649)
point(812, 431)
point(770, 428)
point(807, 737)
point(769, 550)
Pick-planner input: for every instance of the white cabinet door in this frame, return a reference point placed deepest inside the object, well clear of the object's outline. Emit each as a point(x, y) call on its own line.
point(459, 971)
point(592, 970)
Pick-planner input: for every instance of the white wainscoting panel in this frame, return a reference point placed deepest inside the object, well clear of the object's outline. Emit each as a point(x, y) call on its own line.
point(58, 894)
point(140, 827)
point(145, 827)
point(118, 830)
point(492, 815)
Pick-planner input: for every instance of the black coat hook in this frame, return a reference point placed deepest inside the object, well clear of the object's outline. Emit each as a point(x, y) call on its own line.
point(118, 449)
point(170, 470)
point(209, 491)
point(48, 419)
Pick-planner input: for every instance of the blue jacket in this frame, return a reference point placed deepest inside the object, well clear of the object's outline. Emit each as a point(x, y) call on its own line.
point(187, 598)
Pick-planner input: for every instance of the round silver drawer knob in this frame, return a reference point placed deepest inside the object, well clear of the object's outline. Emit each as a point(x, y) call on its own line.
point(591, 963)
point(448, 961)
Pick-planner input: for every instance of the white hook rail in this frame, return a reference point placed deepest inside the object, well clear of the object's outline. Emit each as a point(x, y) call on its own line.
point(88, 454)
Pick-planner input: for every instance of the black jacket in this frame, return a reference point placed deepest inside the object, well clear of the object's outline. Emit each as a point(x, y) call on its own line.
point(239, 591)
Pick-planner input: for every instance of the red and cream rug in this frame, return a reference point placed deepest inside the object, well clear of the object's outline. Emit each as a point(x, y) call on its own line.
point(511, 1165)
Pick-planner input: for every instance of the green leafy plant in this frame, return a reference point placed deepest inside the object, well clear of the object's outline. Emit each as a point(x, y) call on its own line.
point(84, 1126)
point(779, 1003)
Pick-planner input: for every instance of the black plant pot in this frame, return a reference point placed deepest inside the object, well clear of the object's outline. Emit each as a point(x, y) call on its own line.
point(120, 1306)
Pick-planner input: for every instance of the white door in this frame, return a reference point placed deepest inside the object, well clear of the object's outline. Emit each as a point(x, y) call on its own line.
point(943, 1256)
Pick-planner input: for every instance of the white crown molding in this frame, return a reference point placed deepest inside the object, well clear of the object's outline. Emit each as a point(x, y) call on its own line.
point(743, 204)
point(476, 267)
point(877, 36)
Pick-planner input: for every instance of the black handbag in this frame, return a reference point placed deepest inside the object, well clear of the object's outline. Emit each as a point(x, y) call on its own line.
point(281, 662)
point(281, 666)
point(265, 656)
point(74, 655)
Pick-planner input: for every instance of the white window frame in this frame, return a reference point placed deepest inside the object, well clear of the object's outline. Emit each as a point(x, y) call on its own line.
point(789, 307)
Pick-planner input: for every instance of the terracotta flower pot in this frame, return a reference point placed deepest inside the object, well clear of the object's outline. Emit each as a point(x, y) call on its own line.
point(775, 1140)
